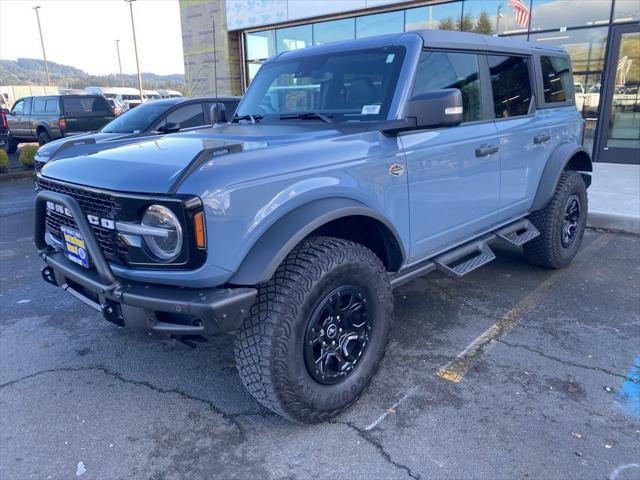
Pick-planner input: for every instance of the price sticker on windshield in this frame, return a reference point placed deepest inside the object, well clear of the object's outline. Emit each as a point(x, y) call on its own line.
point(370, 109)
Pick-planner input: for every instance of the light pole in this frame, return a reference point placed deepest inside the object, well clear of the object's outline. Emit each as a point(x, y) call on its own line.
point(135, 46)
point(119, 62)
point(44, 55)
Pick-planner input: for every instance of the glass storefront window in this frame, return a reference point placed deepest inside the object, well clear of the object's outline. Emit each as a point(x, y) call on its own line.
point(325, 32)
point(626, 10)
point(549, 14)
point(260, 45)
point(293, 38)
point(492, 17)
point(445, 16)
point(586, 89)
point(585, 46)
point(380, 24)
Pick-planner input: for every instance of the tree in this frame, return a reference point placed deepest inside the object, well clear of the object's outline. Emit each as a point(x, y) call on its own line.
point(447, 24)
point(484, 24)
point(467, 24)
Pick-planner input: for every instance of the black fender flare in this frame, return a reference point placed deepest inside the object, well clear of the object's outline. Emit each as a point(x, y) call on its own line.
point(565, 156)
point(268, 252)
point(45, 127)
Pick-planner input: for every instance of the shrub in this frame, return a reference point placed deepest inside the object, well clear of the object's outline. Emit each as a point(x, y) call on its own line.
point(4, 161)
point(26, 155)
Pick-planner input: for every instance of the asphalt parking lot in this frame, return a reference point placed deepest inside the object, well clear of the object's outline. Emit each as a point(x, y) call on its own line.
point(510, 372)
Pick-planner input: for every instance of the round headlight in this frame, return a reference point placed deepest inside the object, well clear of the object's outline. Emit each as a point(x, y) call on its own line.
point(164, 247)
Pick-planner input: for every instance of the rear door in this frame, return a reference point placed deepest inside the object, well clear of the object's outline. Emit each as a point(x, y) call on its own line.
point(453, 173)
point(525, 136)
point(86, 113)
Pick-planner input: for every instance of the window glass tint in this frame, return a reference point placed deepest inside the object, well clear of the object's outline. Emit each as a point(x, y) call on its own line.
point(341, 84)
point(379, 24)
point(586, 47)
point(260, 45)
point(18, 108)
point(38, 105)
point(549, 14)
point(325, 32)
point(626, 10)
point(443, 17)
point(556, 79)
point(85, 105)
point(511, 85)
point(51, 105)
point(137, 119)
point(293, 38)
point(495, 16)
point(187, 116)
point(438, 70)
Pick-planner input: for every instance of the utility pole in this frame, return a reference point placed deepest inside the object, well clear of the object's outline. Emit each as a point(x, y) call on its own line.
point(135, 46)
point(119, 62)
point(44, 55)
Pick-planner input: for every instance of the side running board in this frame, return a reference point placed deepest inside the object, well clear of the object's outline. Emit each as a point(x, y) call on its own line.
point(518, 233)
point(465, 259)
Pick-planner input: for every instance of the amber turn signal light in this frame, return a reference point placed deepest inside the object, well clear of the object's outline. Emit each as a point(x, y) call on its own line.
point(198, 223)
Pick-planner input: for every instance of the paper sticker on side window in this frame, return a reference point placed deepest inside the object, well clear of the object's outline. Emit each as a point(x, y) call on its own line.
point(370, 109)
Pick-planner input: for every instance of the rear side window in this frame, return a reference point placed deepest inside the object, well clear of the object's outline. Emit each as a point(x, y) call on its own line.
point(556, 79)
point(51, 105)
point(438, 70)
point(187, 116)
point(38, 105)
point(86, 106)
point(511, 85)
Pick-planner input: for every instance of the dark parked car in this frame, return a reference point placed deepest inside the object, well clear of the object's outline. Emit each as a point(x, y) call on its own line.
point(4, 127)
point(43, 119)
point(153, 118)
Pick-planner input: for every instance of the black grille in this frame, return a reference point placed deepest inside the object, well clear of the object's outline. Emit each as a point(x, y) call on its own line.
point(100, 204)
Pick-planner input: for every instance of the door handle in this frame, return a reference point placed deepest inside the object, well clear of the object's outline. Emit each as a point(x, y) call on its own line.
point(543, 137)
point(485, 150)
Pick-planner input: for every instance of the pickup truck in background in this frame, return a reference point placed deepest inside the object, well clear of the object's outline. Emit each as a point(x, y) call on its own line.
point(43, 119)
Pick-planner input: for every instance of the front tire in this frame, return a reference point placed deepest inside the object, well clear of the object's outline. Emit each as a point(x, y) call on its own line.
point(317, 331)
point(12, 145)
point(561, 223)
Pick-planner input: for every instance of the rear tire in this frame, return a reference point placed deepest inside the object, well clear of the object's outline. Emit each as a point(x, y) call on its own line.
point(43, 137)
point(561, 223)
point(317, 331)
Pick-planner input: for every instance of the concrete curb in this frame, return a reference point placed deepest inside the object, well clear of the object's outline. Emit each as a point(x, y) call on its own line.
point(618, 222)
point(4, 177)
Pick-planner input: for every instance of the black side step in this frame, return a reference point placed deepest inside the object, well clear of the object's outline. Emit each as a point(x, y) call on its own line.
point(518, 233)
point(465, 259)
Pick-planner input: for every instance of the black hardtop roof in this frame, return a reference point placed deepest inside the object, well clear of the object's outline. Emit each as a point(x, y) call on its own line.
point(434, 39)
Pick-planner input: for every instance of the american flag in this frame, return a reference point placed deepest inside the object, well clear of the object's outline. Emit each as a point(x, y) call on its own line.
point(520, 12)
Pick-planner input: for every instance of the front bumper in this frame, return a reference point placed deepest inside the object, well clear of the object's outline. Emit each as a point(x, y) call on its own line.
point(158, 308)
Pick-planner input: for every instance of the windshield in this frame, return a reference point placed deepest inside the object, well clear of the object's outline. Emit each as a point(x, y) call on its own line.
point(348, 86)
point(136, 120)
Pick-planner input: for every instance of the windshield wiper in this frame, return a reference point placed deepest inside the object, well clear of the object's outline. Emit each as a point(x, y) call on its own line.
point(254, 118)
point(310, 116)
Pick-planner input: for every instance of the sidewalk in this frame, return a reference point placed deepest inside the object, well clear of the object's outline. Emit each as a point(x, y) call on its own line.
point(614, 197)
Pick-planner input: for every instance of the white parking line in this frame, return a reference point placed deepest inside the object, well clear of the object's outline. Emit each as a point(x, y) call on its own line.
point(390, 409)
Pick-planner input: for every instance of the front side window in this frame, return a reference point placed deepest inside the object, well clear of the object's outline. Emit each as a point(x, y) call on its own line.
point(437, 70)
point(556, 79)
point(511, 85)
point(18, 108)
point(185, 117)
point(349, 86)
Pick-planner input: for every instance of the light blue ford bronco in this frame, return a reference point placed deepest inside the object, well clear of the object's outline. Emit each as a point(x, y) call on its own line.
point(349, 168)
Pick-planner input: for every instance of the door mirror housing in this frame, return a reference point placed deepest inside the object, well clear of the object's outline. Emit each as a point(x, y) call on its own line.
point(218, 113)
point(438, 108)
point(169, 127)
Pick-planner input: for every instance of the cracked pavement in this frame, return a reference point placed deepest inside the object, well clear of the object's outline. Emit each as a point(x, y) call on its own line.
point(541, 401)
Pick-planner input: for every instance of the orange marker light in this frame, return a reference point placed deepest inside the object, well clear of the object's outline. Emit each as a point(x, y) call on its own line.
point(198, 223)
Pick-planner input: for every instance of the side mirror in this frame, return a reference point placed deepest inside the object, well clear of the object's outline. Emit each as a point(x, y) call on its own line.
point(438, 108)
point(169, 127)
point(218, 113)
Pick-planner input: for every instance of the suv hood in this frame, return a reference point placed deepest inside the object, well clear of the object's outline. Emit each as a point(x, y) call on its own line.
point(154, 165)
point(54, 151)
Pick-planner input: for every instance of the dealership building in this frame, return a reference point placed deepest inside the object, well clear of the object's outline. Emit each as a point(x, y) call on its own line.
point(601, 36)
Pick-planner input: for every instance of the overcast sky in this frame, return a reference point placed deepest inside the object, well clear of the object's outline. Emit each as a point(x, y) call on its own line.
point(82, 33)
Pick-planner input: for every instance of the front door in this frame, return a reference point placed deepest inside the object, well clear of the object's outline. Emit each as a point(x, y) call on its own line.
point(618, 136)
point(453, 173)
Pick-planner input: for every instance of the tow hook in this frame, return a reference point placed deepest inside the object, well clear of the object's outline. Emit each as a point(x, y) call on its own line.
point(112, 313)
point(48, 275)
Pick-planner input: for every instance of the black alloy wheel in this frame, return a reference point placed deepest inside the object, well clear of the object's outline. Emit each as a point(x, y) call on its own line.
point(571, 220)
